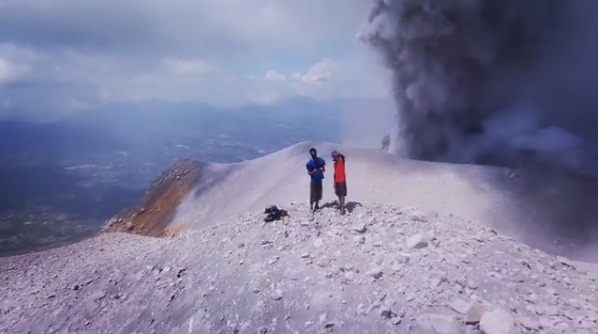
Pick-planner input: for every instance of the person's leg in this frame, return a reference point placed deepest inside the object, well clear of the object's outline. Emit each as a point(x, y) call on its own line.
point(342, 195)
point(336, 187)
point(312, 195)
point(318, 194)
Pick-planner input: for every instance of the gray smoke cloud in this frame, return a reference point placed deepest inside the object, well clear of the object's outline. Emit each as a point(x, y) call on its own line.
point(502, 82)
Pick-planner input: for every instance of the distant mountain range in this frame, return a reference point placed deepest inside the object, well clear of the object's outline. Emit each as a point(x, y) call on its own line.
point(141, 124)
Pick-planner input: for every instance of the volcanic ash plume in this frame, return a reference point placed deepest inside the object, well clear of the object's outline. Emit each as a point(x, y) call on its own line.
point(491, 81)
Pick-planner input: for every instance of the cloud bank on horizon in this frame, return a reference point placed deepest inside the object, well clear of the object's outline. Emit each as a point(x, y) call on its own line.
point(59, 56)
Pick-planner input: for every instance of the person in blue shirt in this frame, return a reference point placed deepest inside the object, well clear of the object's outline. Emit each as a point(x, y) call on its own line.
point(315, 167)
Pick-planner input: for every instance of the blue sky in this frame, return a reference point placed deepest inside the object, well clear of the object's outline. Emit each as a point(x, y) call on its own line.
point(65, 55)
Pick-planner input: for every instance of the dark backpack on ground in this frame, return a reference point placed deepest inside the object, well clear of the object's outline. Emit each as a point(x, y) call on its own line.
point(274, 213)
point(271, 209)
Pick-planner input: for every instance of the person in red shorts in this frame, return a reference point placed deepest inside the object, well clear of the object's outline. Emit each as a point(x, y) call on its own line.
point(339, 180)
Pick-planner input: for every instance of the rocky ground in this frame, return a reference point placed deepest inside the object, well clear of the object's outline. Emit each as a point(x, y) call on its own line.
point(378, 269)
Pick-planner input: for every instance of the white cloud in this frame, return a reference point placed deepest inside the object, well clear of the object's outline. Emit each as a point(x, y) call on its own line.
point(6, 71)
point(273, 75)
point(220, 52)
point(319, 72)
point(12, 68)
point(264, 99)
point(357, 76)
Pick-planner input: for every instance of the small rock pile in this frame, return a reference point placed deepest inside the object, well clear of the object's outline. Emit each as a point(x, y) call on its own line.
point(379, 269)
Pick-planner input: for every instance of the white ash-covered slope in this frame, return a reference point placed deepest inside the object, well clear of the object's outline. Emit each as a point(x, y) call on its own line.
point(549, 210)
point(379, 269)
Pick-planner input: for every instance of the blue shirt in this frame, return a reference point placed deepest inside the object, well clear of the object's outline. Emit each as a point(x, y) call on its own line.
point(312, 165)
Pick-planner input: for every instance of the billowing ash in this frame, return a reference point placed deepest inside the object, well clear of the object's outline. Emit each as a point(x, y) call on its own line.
point(501, 82)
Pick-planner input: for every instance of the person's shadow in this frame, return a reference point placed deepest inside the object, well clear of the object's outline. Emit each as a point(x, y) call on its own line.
point(349, 206)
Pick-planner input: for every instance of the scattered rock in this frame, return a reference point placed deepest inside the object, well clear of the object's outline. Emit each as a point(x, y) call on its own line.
point(395, 267)
point(435, 282)
point(96, 296)
point(459, 305)
point(417, 241)
point(387, 313)
point(276, 295)
point(418, 216)
point(525, 263)
point(563, 261)
point(529, 324)
point(562, 327)
point(360, 239)
point(318, 243)
point(360, 227)
point(475, 312)
point(322, 262)
point(376, 273)
point(438, 323)
point(497, 321)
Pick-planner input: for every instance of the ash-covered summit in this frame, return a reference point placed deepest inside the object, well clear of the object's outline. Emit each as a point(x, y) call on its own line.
point(379, 269)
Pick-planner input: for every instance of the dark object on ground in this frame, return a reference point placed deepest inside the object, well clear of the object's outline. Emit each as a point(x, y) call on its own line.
point(274, 213)
point(271, 209)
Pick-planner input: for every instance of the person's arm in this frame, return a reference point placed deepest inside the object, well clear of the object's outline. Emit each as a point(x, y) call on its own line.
point(310, 169)
point(335, 171)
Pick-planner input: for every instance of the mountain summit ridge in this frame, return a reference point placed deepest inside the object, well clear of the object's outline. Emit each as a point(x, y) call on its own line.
point(543, 208)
